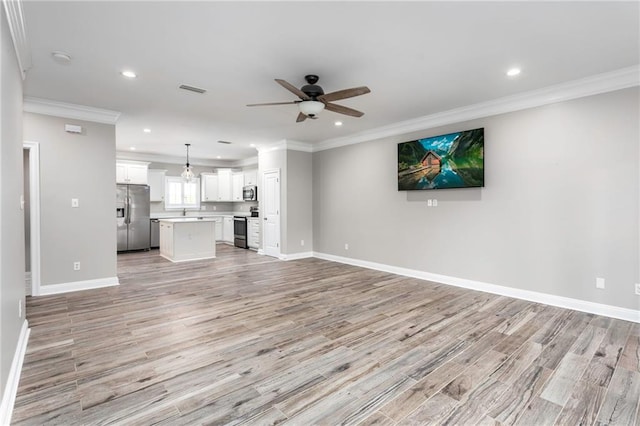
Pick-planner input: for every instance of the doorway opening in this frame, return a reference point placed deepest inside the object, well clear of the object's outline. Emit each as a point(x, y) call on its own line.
point(31, 168)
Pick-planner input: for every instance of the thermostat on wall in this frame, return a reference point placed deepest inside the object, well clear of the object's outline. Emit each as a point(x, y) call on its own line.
point(71, 128)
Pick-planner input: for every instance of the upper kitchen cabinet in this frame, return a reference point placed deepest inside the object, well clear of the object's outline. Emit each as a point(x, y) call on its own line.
point(156, 184)
point(133, 172)
point(224, 185)
point(237, 182)
point(250, 177)
point(209, 187)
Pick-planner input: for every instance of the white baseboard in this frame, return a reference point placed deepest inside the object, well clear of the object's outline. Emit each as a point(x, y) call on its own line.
point(296, 256)
point(185, 260)
point(11, 388)
point(46, 290)
point(532, 296)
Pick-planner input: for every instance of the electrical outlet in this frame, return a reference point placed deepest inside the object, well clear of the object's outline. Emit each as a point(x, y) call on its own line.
point(599, 282)
point(429, 202)
point(435, 203)
point(214, 207)
point(638, 289)
point(346, 246)
point(76, 266)
point(302, 242)
point(75, 202)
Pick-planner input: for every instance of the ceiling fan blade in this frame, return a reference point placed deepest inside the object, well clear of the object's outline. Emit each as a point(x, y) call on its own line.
point(293, 89)
point(274, 103)
point(343, 110)
point(301, 117)
point(344, 94)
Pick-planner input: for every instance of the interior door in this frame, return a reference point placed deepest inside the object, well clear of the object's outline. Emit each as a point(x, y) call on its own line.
point(271, 213)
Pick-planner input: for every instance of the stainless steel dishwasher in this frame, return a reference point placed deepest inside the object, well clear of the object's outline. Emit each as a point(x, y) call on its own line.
point(155, 233)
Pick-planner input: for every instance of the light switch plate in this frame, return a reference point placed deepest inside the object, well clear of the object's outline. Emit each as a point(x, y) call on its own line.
point(75, 202)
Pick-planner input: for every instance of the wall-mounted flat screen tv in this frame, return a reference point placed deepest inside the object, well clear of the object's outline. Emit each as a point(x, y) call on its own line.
point(454, 160)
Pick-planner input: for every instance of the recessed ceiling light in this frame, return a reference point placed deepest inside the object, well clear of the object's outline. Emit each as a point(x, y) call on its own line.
point(513, 72)
point(129, 74)
point(252, 144)
point(338, 123)
point(132, 148)
point(218, 156)
point(146, 130)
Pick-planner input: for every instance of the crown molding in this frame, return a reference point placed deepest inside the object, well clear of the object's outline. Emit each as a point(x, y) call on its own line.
point(170, 159)
point(251, 161)
point(589, 86)
point(66, 110)
point(15, 19)
point(299, 146)
point(287, 145)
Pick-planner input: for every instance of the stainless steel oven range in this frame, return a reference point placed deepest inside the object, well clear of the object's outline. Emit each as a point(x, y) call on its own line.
point(240, 231)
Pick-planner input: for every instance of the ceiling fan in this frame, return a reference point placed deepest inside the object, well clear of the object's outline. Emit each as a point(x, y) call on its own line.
point(313, 99)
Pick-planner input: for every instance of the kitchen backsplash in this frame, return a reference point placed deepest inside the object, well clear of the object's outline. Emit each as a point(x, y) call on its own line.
point(158, 207)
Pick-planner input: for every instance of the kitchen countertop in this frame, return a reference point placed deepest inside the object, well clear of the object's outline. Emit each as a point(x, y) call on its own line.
point(187, 219)
point(195, 214)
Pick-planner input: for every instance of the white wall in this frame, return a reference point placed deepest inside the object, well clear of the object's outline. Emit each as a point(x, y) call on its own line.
point(299, 206)
point(75, 166)
point(12, 265)
point(560, 205)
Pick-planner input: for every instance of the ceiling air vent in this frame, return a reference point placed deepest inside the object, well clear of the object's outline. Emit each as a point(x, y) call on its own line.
point(225, 142)
point(192, 89)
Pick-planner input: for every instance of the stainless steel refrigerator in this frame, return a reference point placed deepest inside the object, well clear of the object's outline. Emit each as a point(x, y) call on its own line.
point(132, 215)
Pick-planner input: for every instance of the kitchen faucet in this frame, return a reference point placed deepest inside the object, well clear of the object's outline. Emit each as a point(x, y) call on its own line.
point(184, 212)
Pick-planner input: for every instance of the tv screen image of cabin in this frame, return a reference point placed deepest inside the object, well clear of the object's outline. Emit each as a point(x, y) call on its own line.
point(454, 160)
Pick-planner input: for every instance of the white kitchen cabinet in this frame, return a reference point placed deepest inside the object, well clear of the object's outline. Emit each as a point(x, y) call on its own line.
point(218, 230)
point(133, 172)
point(166, 239)
point(227, 229)
point(209, 187)
point(253, 233)
point(188, 238)
point(237, 182)
point(156, 184)
point(250, 177)
point(224, 185)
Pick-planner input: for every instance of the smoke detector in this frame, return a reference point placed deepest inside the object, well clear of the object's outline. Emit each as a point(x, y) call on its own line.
point(61, 57)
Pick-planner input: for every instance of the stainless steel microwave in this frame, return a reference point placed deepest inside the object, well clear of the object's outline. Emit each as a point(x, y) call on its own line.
point(250, 193)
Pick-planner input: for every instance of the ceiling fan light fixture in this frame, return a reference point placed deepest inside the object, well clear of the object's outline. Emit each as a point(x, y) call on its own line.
point(311, 108)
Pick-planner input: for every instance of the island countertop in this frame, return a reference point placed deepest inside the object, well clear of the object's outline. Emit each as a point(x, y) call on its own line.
point(188, 219)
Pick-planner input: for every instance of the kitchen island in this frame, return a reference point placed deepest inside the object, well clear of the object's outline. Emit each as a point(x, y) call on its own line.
point(188, 238)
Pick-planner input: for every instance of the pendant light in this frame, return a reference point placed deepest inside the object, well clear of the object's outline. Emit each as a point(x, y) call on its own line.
point(187, 173)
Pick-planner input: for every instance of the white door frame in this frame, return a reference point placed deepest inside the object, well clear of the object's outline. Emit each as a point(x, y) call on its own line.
point(265, 251)
point(34, 210)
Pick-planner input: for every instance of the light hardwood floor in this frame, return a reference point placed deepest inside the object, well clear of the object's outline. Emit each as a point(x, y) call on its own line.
point(246, 339)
